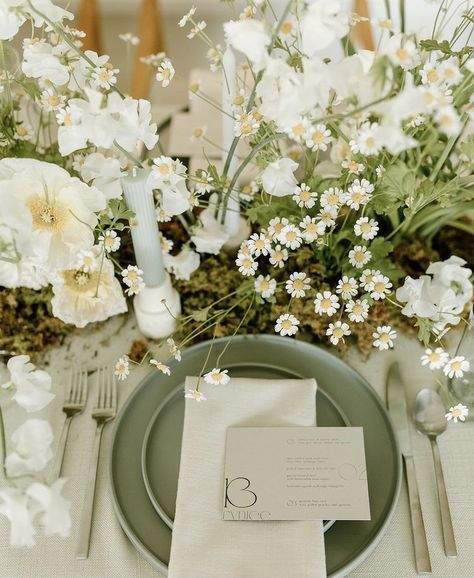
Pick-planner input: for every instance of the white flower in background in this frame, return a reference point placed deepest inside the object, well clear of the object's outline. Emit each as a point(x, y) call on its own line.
point(32, 386)
point(187, 17)
point(457, 412)
point(15, 505)
point(326, 303)
point(352, 166)
point(380, 286)
point(52, 213)
point(367, 277)
point(304, 197)
point(452, 274)
point(166, 244)
point(359, 256)
point(129, 38)
point(110, 240)
point(266, 286)
point(347, 287)
point(297, 130)
point(11, 17)
point(51, 100)
point(86, 261)
point(153, 59)
point(183, 264)
point(286, 324)
point(214, 55)
point(246, 125)
point(384, 337)
point(134, 122)
point(248, 12)
point(161, 366)
point(173, 348)
point(402, 51)
point(217, 376)
point(359, 194)
point(250, 38)
point(131, 274)
point(380, 171)
point(456, 367)
point(162, 216)
point(435, 358)
point(322, 24)
point(311, 229)
point(32, 448)
point(53, 508)
point(24, 132)
point(104, 77)
point(337, 331)
point(449, 71)
point(276, 225)
point(169, 176)
point(367, 141)
point(122, 368)
point(297, 285)
point(448, 121)
point(195, 30)
point(104, 173)
point(246, 264)
point(195, 394)
point(135, 287)
point(416, 294)
point(290, 237)
point(278, 256)
point(198, 135)
point(357, 310)
point(366, 228)
point(429, 74)
point(211, 235)
point(165, 73)
point(259, 244)
point(81, 298)
point(43, 61)
point(289, 29)
point(332, 198)
point(318, 138)
point(278, 178)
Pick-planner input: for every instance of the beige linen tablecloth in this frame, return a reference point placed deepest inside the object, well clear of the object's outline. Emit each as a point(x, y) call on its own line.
point(113, 556)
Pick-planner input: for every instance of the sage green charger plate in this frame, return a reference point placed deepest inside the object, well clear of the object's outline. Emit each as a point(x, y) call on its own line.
point(346, 543)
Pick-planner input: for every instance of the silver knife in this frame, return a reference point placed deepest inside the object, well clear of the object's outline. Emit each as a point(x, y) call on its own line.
point(397, 406)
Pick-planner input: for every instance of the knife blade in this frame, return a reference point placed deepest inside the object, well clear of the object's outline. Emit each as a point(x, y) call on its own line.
point(397, 406)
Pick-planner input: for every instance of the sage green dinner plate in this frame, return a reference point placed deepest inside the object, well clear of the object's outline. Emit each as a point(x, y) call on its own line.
point(347, 394)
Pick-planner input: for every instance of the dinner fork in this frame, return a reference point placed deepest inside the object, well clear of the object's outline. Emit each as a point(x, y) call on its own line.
point(74, 404)
point(104, 411)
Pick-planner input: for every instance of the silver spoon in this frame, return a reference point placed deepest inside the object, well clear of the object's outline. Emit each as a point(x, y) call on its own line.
point(428, 413)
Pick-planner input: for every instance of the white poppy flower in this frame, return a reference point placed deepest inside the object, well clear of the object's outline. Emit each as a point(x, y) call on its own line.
point(278, 178)
point(266, 286)
point(250, 38)
point(183, 264)
point(337, 331)
point(436, 359)
point(286, 324)
point(32, 448)
point(383, 337)
point(217, 376)
point(54, 508)
point(15, 505)
point(32, 385)
point(104, 173)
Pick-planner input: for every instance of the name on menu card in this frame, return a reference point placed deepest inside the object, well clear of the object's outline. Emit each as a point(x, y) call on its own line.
point(295, 473)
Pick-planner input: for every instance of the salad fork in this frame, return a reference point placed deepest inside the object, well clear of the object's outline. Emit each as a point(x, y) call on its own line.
point(104, 411)
point(74, 404)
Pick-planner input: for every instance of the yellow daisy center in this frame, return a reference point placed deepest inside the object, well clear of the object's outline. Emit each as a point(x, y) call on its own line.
point(287, 324)
point(338, 333)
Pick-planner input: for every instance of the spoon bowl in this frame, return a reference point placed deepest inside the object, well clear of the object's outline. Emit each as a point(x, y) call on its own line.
point(429, 413)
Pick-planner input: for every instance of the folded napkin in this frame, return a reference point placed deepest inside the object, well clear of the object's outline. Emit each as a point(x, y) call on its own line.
point(204, 545)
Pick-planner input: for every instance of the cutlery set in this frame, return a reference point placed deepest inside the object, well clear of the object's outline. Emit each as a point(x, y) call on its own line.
point(105, 410)
point(429, 419)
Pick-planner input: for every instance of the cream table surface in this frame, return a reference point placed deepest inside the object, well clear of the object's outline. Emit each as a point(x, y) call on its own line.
point(113, 556)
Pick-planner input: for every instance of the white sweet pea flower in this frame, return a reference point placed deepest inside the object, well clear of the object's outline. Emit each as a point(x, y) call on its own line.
point(104, 173)
point(54, 509)
point(32, 442)
point(415, 293)
point(249, 37)
point(15, 505)
point(11, 17)
point(183, 264)
point(42, 60)
point(211, 235)
point(278, 178)
point(32, 385)
point(453, 275)
point(322, 24)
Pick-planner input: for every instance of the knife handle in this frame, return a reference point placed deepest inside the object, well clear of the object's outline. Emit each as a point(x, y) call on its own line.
point(422, 555)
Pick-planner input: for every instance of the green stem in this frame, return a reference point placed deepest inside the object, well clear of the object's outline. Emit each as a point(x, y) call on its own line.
point(447, 150)
point(402, 15)
point(3, 457)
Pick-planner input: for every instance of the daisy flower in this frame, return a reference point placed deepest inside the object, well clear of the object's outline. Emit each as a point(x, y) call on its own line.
point(297, 285)
point(380, 171)
point(383, 337)
point(259, 244)
point(367, 141)
point(359, 256)
point(104, 77)
point(122, 368)
point(347, 287)
point(286, 324)
point(51, 100)
point(187, 17)
point(110, 240)
point(246, 264)
point(449, 71)
point(199, 27)
point(165, 73)
point(367, 277)
point(166, 244)
point(278, 256)
point(135, 287)
point(198, 134)
point(161, 366)
point(131, 274)
point(359, 194)
point(326, 303)
point(217, 376)
point(290, 236)
point(248, 12)
point(246, 125)
point(318, 138)
point(162, 216)
point(366, 228)
point(173, 348)
point(332, 198)
point(129, 38)
point(214, 55)
point(337, 331)
point(327, 216)
point(266, 286)
point(436, 358)
point(195, 394)
point(379, 287)
point(275, 226)
point(311, 228)
point(86, 261)
point(298, 131)
point(303, 196)
point(352, 166)
point(357, 310)
point(448, 120)
point(457, 412)
point(456, 366)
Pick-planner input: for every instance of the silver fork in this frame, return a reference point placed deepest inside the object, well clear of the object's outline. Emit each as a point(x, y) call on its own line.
point(104, 411)
point(74, 404)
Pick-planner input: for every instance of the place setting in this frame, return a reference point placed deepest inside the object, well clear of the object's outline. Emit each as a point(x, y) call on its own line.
point(236, 289)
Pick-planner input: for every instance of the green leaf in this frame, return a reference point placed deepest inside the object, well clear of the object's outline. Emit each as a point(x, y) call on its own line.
point(380, 248)
point(201, 315)
point(431, 44)
point(424, 330)
point(397, 185)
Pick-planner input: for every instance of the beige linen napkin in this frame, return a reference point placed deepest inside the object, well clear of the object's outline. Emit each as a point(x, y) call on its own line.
point(204, 545)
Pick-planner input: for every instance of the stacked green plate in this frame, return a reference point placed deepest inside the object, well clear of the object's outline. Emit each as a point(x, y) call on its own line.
point(147, 439)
